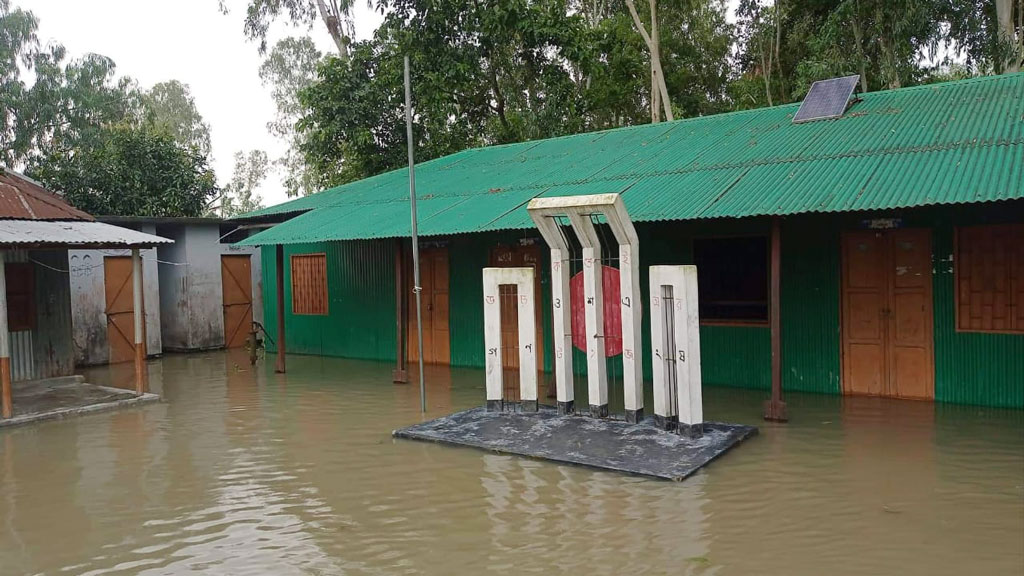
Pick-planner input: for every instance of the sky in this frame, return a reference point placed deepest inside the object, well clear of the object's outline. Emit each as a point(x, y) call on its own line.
point(193, 42)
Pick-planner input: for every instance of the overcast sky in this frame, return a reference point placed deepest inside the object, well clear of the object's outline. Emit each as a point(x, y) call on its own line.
point(190, 41)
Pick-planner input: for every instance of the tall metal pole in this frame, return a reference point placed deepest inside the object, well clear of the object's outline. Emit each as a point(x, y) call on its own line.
point(415, 239)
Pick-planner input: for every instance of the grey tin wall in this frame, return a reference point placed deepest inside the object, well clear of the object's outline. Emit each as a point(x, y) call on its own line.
point(46, 351)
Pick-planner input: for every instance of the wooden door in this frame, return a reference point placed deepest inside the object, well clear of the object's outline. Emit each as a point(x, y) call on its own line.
point(236, 286)
point(515, 257)
point(887, 314)
point(120, 301)
point(434, 302)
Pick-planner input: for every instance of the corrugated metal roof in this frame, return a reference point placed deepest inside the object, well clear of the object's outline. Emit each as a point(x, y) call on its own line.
point(78, 233)
point(957, 142)
point(24, 199)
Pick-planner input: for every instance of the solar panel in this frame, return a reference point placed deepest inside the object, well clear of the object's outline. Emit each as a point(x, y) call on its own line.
point(826, 99)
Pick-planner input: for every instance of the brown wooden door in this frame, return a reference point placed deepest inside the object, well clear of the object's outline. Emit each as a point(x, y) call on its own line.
point(887, 314)
point(117, 278)
point(236, 285)
point(514, 257)
point(434, 301)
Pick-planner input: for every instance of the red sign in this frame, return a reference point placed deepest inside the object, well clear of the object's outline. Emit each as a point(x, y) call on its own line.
point(612, 312)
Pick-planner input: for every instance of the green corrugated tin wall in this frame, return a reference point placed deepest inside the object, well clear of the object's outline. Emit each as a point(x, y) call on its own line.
point(361, 310)
point(737, 356)
point(971, 367)
point(810, 306)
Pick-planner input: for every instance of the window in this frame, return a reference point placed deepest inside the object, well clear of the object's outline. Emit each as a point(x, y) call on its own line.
point(309, 284)
point(732, 279)
point(989, 265)
point(21, 301)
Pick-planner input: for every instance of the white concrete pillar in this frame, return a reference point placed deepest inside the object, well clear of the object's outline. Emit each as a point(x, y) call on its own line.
point(139, 318)
point(593, 306)
point(630, 309)
point(522, 279)
point(6, 408)
point(675, 343)
point(562, 313)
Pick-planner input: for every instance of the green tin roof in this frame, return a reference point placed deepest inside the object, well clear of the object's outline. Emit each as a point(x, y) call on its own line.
point(957, 142)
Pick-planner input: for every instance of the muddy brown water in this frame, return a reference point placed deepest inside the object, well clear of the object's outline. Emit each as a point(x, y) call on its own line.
point(241, 471)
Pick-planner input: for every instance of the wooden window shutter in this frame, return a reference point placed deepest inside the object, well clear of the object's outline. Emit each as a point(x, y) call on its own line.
point(989, 265)
point(21, 296)
point(309, 284)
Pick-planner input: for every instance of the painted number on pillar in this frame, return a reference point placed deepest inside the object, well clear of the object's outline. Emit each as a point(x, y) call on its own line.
point(492, 351)
point(489, 299)
point(628, 354)
point(589, 262)
point(558, 303)
point(523, 300)
point(529, 347)
point(656, 301)
point(625, 301)
point(682, 355)
point(590, 300)
point(558, 352)
point(556, 265)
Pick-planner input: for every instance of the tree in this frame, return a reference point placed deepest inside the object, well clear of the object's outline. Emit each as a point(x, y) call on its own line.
point(239, 196)
point(130, 170)
point(289, 68)
point(659, 90)
point(335, 15)
point(170, 106)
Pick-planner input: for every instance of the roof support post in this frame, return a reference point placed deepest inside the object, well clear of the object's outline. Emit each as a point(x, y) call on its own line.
point(279, 366)
point(6, 410)
point(775, 408)
point(400, 375)
point(139, 322)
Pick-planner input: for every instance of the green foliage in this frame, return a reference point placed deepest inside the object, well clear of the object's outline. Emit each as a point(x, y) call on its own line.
point(130, 170)
point(289, 67)
point(497, 71)
point(108, 146)
point(239, 196)
point(169, 106)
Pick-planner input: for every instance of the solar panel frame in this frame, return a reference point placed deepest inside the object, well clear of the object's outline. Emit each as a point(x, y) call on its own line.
point(826, 99)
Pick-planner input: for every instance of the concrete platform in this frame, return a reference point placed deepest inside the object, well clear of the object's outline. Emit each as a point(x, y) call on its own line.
point(56, 398)
point(607, 444)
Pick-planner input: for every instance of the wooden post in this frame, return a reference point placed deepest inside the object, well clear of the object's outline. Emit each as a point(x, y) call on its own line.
point(137, 316)
point(5, 350)
point(775, 408)
point(279, 367)
point(400, 375)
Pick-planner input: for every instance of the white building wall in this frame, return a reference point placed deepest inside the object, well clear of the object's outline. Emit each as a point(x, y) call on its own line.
point(88, 302)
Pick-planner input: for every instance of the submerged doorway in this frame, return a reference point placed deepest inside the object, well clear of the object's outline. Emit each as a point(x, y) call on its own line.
point(434, 302)
point(120, 308)
point(887, 314)
point(516, 257)
point(236, 289)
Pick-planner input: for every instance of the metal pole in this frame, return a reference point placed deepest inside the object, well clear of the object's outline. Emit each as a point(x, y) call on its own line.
point(415, 240)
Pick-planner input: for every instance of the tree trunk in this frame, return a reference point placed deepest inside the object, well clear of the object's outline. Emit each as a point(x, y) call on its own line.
point(1007, 37)
point(657, 74)
point(333, 22)
point(858, 37)
point(778, 41)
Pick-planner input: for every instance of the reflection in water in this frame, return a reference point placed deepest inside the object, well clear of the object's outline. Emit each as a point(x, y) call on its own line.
point(243, 471)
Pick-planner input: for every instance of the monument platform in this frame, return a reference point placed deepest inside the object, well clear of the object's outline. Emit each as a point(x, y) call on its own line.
point(608, 444)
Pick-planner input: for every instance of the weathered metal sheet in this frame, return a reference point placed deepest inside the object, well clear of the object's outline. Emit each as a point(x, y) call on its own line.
point(952, 143)
point(73, 233)
point(23, 198)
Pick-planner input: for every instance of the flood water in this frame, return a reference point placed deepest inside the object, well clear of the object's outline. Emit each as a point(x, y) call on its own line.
point(242, 471)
